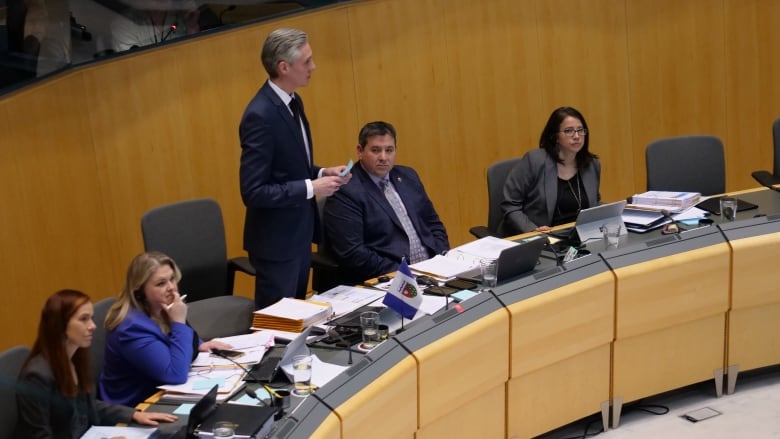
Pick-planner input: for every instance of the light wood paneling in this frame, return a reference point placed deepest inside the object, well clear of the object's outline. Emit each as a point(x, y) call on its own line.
point(667, 359)
point(752, 91)
point(672, 290)
point(754, 337)
point(480, 416)
point(366, 414)
point(676, 64)
point(558, 394)
point(752, 282)
point(562, 323)
point(442, 366)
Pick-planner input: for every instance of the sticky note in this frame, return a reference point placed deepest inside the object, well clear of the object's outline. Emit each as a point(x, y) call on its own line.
point(348, 168)
point(208, 383)
point(183, 409)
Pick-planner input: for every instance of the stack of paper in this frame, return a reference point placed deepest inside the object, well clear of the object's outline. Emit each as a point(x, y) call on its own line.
point(463, 260)
point(666, 200)
point(344, 299)
point(291, 315)
point(199, 382)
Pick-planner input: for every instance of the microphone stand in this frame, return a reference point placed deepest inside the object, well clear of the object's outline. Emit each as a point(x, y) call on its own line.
point(332, 331)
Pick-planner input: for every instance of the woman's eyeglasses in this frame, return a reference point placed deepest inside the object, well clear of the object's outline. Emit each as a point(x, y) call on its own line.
point(569, 132)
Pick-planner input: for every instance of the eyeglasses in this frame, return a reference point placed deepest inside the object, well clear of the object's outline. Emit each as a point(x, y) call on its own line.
point(569, 132)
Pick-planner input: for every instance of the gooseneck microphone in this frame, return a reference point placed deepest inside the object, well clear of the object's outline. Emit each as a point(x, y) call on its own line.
point(332, 331)
point(171, 30)
point(222, 354)
point(252, 394)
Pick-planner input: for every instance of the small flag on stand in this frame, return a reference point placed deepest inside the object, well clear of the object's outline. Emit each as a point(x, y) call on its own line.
point(404, 296)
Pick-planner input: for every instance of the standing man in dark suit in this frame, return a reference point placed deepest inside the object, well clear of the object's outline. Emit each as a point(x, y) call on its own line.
point(278, 177)
point(383, 214)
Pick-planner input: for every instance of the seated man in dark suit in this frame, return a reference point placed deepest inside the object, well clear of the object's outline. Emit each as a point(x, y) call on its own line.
point(382, 214)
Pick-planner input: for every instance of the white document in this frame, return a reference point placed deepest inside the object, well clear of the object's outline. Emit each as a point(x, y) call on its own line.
point(321, 372)
point(252, 345)
point(444, 267)
point(102, 432)
point(345, 299)
point(200, 381)
point(488, 247)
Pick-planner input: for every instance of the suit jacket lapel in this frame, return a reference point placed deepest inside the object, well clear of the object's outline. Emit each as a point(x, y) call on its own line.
point(287, 117)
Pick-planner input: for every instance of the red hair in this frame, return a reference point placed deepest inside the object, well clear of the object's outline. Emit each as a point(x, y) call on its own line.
point(50, 343)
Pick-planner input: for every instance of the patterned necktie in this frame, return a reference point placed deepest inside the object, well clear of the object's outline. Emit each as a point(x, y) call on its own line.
point(417, 250)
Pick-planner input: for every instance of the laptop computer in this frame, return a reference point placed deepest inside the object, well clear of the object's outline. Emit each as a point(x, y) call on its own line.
point(590, 221)
point(265, 371)
point(516, 260)
point(201, 410)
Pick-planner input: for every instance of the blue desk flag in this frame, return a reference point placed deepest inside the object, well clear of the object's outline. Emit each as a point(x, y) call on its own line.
point(404, 296)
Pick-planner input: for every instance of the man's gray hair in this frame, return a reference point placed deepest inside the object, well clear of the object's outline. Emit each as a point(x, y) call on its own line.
point(282, 45)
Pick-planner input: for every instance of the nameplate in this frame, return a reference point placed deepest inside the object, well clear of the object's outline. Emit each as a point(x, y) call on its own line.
point(446, 315)
point(665, 240)
point(362, 364)
point(548, 273)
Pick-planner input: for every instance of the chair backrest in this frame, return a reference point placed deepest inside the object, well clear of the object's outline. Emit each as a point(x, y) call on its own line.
point(325, 269)
point(10, 365)
point(776, 141)
point(97, 350)
point(496, 177)
point(221, 316)
point(193, 234)
point(687, 164)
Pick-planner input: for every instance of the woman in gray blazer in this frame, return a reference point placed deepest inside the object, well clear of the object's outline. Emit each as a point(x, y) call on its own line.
point(552, 184)
point(54, 393)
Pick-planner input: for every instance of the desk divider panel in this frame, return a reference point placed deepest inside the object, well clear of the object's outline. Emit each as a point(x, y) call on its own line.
point(561, 329)
point(461, 356)
point(754, 323)
point(377, 396)
point(671, 304)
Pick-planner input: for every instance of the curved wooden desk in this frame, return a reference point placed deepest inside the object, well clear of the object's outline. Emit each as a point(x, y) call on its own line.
point(564, 343)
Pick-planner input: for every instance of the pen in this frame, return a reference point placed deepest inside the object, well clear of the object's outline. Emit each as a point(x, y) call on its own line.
point(171, 304)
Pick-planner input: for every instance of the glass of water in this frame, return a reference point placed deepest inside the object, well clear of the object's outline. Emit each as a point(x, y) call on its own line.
point(302, 375)
point(369, 323)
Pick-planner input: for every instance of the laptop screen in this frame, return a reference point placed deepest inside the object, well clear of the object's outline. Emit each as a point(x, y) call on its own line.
point(201, 410)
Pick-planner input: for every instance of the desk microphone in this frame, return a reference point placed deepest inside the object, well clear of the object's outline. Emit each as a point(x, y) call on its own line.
point(332, 331)
point(171, 30)
point(222, 354)
point(253, 394)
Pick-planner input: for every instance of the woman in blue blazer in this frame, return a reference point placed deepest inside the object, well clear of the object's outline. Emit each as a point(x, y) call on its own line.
point(148, 340)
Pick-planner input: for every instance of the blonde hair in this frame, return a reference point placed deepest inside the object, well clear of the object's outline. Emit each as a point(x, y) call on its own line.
point(141, 268)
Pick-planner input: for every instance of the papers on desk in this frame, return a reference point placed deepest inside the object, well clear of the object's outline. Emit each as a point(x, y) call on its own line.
point(291, 315)
point(252, 345)
point(200, 381)
point(345, 299)
point(103, 432)
point(463, 260)
point(321, 372)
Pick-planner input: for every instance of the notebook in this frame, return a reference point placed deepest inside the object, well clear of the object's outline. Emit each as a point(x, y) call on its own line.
point(516, 260)
point(712, 205)
point(265, 371)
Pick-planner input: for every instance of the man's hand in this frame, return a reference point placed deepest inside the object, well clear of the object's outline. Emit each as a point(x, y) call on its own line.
point(326, 186)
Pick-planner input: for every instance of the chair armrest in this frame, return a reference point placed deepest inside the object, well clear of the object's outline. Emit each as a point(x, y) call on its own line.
point(766, 178)
point(479, 231)
point(242, 264)
point(318, 260)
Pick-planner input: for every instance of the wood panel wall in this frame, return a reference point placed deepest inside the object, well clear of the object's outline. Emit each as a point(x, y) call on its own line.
point(466, 83)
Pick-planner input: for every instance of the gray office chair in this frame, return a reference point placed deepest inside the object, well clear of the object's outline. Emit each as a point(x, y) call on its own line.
point(11, 362)
point(496, 177)
point(193, 234)
point(222, 316)
point(325, 270)
point(686, 164)
point(765, 177)
point(97, 350)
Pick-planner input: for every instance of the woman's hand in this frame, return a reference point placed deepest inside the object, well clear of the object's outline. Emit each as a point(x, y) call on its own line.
point(207, 346)
point(153, 418)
